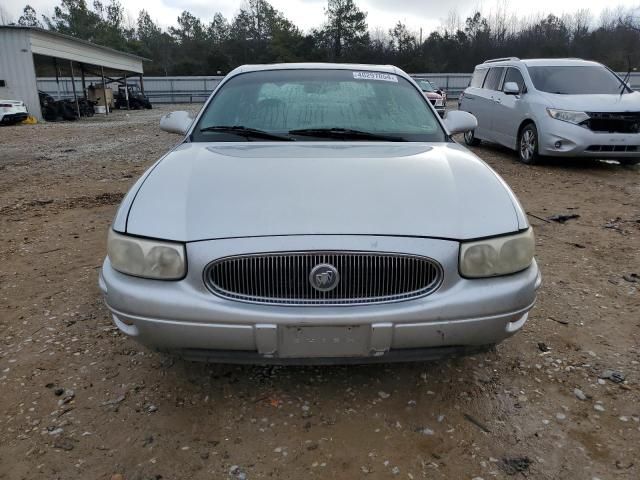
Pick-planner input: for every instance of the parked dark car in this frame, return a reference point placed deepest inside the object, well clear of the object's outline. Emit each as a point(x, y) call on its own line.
point(137, 99)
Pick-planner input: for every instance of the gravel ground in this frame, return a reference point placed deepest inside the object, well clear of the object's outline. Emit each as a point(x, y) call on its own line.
point(80, 400)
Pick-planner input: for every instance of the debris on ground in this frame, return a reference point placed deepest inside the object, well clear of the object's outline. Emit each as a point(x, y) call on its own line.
point(579, 394)
point(67, 396)
point(114, 401)
point(515, 465)
point(477, 423)
point(614, 375)
point(562, 322)
point(63, 443)
point(563, 218)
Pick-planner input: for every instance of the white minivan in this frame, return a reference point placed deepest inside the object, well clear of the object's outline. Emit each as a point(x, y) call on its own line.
point(554, 107)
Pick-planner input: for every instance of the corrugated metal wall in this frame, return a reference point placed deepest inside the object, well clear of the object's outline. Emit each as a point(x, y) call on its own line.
point(17, 69)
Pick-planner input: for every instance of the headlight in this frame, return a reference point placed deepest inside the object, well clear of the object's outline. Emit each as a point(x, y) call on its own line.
point(497, 256)
point(568, 115)
point(439, 102)
point(146, 258)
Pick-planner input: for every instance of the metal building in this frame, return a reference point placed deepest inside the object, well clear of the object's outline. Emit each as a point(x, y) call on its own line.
point(17, 67)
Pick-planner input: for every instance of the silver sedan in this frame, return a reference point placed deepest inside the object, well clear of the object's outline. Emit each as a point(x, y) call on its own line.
point(319, 213)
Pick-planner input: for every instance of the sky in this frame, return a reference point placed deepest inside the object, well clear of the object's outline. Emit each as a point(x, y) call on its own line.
point(306, 14)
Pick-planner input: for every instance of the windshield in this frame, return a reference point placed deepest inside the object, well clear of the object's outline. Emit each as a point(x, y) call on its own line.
point(279, 101)
point(425, 85)
point(576, 80)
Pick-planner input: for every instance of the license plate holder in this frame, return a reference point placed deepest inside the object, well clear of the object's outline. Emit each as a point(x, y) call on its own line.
point(324, 341)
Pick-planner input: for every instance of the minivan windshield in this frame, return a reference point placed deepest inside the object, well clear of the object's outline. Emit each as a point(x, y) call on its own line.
point(312, 105)
point(576, 80)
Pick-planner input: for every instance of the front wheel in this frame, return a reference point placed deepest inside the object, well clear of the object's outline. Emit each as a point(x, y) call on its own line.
point(470, 139)
point(528, 145)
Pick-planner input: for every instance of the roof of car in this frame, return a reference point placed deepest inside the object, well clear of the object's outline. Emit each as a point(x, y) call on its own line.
point(539, 62)
point(560, 62)
point(318, 66)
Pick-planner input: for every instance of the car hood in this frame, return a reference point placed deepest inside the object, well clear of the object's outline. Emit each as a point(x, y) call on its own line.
point(629, 102)
point(207, 191)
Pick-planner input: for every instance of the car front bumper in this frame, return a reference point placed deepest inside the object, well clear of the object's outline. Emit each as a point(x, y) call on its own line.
point(184, 317)
point(576, 141)
point(11, 118)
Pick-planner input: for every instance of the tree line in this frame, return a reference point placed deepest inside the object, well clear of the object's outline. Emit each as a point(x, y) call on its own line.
point(259, 33)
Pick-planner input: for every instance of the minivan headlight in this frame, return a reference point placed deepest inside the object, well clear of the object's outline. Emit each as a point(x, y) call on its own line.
point(568, 115)
point(146, 258)
point(497, 256)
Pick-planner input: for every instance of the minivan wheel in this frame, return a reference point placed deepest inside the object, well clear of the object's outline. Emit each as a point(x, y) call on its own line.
point(470, 139)
point(528, 145)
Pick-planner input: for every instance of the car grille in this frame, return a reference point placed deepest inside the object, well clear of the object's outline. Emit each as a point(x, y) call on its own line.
point(628, 122)
point(283, 278)
point(612, 148)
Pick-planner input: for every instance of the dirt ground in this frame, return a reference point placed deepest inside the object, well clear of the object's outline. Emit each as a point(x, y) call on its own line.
point(80, 400)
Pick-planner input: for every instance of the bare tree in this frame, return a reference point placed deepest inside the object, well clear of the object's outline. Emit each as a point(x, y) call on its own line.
point(5, 19)
point(452, 23)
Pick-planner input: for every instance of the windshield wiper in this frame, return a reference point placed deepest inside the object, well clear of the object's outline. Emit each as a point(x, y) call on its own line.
point(246, 132)
point(344, 134)
point(627, 77)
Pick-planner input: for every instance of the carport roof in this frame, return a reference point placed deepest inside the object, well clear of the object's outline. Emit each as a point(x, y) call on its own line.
point(58, 45)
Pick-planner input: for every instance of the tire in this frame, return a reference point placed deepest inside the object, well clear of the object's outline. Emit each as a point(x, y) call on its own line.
point(629, 161)
point(49, 114)
point(470, 139)
point(68, 112)
point(528, 145)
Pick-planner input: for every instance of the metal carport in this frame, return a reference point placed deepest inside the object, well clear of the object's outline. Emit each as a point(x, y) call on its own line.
point(17, 69)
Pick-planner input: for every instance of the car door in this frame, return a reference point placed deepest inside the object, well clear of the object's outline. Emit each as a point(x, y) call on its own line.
point(480, 102)
point(509, 109)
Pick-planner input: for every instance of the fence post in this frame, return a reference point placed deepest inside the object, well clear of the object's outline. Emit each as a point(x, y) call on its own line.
point(173, 98)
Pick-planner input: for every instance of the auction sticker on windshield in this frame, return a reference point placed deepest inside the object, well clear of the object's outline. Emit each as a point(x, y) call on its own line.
point(385, 77)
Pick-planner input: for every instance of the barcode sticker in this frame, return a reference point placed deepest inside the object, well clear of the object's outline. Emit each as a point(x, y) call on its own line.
point(385, 77)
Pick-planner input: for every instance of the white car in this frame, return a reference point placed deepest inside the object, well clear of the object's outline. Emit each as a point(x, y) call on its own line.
point(556, 108)
point(12, 112)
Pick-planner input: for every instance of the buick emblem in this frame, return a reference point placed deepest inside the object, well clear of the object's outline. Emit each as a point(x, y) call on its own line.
point(324, 277)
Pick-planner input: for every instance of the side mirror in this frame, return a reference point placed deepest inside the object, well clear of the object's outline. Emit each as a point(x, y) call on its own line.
point(458, 121)
point(511, 88)
point(176, 122)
